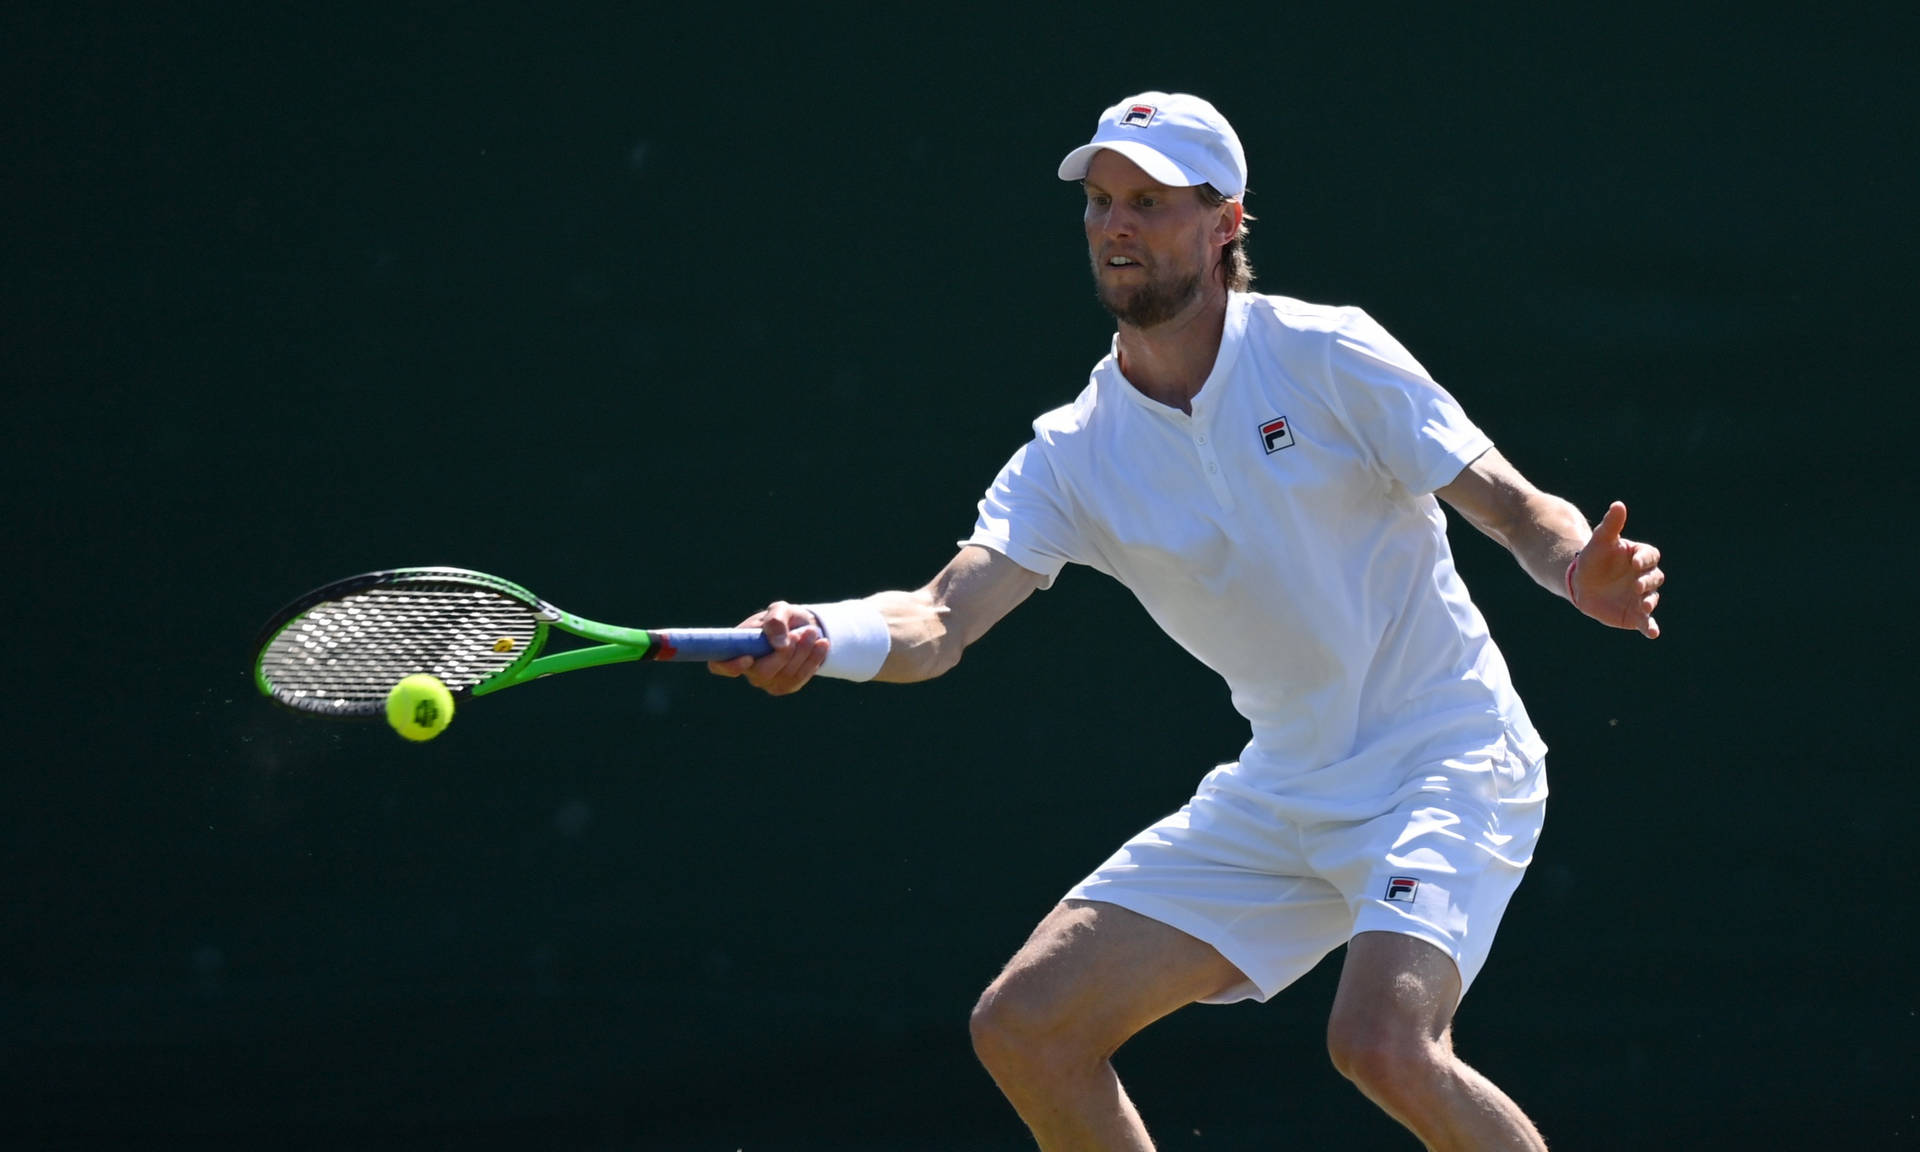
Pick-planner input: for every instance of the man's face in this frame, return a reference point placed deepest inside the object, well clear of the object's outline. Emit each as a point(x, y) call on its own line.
point(1152, 246)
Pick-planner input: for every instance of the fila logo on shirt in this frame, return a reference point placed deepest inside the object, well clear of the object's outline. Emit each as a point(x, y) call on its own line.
point(1275, 435)
point(1402, 888)
point(1138, 116)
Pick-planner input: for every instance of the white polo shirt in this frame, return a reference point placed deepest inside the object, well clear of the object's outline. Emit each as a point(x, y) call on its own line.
point(1285, 534)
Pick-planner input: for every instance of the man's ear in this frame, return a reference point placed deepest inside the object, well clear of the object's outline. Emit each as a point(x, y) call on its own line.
point(1231, 213)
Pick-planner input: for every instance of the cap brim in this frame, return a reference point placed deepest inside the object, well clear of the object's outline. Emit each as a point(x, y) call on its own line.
point(1075, 166)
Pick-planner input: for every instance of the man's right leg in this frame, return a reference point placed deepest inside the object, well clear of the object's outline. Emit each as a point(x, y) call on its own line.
point(1090, 977)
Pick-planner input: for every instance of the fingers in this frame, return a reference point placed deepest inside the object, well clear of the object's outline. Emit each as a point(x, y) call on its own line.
point(1607, 532)
point(730, 668)
point(1619, 580)
point(739, 665)
point(1646, 561)
point(799, 648)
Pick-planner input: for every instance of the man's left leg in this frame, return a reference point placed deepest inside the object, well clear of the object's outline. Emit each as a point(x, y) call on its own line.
point(1391, 1034)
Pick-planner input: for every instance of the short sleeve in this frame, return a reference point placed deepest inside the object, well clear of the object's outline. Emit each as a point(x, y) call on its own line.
point(1023, 516)
point(1417, 432)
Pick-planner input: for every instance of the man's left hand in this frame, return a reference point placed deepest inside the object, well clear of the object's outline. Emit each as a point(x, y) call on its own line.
point(1615, 580)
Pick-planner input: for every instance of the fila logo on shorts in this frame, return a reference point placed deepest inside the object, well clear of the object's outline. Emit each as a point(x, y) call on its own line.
point(1276, 435)
point(1138, 116)
point(1402, 888)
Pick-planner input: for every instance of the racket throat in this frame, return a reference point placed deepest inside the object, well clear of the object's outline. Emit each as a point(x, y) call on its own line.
point(566, 662)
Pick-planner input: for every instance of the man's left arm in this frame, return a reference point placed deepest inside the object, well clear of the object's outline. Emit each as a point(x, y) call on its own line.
point(1608, 577)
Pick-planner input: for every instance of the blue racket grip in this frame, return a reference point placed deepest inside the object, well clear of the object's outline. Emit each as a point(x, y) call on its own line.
point(703, 644)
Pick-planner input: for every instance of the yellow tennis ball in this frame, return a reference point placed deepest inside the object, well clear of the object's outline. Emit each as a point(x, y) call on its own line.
point(419, 707)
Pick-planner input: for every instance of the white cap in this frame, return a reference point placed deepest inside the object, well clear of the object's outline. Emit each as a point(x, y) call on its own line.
point(1177, 139)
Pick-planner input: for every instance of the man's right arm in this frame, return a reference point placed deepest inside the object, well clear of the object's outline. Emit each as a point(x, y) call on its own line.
point(927, 629)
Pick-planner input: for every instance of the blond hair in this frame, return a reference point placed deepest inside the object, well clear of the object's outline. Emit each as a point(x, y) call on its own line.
point(1236, 268)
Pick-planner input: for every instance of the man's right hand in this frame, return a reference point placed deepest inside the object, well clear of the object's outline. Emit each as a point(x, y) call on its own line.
point(799, 648)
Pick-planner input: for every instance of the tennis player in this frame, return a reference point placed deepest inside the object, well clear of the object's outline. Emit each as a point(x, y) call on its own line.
point(1262, 474)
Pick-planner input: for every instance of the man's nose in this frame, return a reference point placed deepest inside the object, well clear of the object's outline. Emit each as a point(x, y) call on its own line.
point(1117, 220)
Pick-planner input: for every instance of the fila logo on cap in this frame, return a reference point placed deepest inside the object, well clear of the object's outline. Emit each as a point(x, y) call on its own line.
point(1276, 435)
point(1402, 888)
point(1139, 116)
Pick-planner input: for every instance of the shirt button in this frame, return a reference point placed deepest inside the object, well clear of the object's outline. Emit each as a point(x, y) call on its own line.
point(1199, 439)
point(1213, 468)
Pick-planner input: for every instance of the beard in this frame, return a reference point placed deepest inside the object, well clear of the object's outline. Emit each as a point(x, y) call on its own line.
point(1152, 303)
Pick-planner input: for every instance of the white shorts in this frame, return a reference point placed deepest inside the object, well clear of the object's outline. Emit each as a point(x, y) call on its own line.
point(1275, 895)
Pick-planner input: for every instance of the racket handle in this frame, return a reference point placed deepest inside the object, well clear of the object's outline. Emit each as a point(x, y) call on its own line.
point(703, 644)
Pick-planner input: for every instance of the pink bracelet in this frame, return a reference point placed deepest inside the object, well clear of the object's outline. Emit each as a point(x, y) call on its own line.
point(1571, 598)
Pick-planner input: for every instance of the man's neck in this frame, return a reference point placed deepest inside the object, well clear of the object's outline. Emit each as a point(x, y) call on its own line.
point(1170, 362)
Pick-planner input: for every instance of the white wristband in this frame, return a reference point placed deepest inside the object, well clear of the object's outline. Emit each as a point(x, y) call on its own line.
point(857, 638)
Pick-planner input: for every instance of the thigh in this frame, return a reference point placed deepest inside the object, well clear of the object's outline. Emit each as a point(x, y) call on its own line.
point(1394, 987)
point(1106, 972)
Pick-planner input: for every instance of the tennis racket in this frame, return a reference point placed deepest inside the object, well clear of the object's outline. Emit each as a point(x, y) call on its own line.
point(338, 650)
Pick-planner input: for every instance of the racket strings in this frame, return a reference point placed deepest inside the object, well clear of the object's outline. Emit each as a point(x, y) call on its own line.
point(344, 655)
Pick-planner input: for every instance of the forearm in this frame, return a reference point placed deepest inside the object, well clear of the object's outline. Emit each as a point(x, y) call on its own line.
point(1544, 534)
point(929, 628)
point(1542, 531)
point(1617, 581)
point(901, 637)
point(921, 643)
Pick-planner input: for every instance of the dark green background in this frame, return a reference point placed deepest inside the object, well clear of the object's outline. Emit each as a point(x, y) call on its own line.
point(667, 313)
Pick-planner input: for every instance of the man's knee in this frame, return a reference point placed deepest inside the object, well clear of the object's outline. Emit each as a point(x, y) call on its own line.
point(1089, 977)
point(1387, 1057)
point(1389, 1032)
point(1015, 1021)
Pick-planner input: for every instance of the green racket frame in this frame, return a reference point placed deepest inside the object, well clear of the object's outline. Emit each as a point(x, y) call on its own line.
point(338, 649)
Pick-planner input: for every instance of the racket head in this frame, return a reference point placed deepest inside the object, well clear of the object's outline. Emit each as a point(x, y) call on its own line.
point(338, 650)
